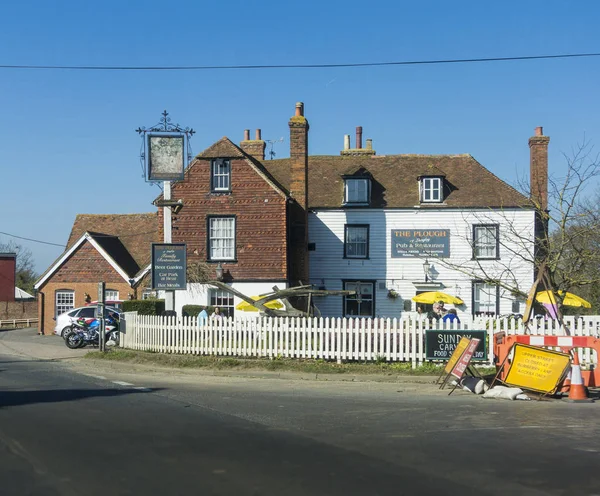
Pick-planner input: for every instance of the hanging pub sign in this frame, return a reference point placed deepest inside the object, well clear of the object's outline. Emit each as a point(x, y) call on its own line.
point(440, 344)
point(166, 154)
point(169, 265)
point(433, 243)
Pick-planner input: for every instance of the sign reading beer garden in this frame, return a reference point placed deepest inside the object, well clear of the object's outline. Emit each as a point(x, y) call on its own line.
point(420, 243)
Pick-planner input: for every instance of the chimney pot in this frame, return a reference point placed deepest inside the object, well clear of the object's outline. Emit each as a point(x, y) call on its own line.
point(369, 144)
point(246, 134)
point(359, 137)
point(258, 135)
point(346, 142)
point(299, 109)
point(539, 131)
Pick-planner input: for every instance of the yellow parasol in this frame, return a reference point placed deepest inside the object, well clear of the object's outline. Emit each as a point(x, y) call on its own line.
point(571, 300)
point(431, 297)
point(244, 306)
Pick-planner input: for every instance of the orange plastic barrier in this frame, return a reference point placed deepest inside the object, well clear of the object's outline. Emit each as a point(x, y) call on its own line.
point(503, 343)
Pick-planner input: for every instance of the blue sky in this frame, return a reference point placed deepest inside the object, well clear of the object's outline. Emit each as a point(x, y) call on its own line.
point(67, 139)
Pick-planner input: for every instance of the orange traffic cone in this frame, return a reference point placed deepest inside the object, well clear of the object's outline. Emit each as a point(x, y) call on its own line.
point(577, 390)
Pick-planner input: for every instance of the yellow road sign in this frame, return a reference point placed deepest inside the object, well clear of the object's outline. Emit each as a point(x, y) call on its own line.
point(537, 369)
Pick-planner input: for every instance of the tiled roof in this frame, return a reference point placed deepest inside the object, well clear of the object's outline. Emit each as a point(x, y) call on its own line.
point(395, 180)
point(224, 148)
point(136, 232)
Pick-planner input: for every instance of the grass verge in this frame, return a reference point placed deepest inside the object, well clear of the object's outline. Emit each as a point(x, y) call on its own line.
point(275, 364)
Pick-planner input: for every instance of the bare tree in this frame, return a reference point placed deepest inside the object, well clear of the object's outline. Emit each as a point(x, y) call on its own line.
point(565, 243)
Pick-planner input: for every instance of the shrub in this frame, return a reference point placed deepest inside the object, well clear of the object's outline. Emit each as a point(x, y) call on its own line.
point(144, 307)
point(194, 310)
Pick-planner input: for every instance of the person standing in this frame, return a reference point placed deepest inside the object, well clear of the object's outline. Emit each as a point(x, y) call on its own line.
point(441, 310)
point(451, 316)
point(202, 317)
point(217, 315)
point(421, 315)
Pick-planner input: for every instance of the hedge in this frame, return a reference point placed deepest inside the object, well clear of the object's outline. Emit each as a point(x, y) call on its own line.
point(194, 310)
point(144, 307)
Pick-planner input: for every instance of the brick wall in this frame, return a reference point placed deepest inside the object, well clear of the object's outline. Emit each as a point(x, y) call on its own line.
point(7, 276)
point(18, 310)
point(81, 273)
point(260, 211)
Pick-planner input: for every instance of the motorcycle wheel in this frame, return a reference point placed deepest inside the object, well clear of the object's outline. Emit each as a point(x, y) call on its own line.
point(73, 340)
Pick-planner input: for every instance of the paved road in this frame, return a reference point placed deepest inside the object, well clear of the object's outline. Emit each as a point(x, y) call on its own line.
point(70, 428)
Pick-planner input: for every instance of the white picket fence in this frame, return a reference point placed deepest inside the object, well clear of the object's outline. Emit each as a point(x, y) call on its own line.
point(392, 340)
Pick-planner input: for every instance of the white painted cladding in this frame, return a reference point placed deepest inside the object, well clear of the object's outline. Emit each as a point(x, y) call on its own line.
point(328, 266)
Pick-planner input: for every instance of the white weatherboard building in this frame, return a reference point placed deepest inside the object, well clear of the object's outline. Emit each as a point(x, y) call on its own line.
point(391, 266)
point(392, 227)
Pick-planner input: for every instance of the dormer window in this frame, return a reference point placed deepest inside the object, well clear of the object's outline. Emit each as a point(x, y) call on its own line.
point(432, 189)
point(356, 191)
point(220, 175)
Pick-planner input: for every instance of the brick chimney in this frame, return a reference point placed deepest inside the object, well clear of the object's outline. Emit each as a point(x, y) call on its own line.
point(538, 168)
point(298, 207)
point(255, 147)
point(299, 156)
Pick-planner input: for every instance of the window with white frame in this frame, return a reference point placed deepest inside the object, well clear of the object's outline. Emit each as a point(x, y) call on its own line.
point(485, 241)
point(431, 189)
point(356, 241)
point(111, 295)
point(64, 301)
point(363, 303)
point(485, 299)
point(220, 175)
point(221, 238)
point(223, 300)
point(356, 191)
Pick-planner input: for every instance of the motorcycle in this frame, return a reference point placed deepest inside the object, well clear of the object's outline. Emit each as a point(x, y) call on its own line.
point(87, 332)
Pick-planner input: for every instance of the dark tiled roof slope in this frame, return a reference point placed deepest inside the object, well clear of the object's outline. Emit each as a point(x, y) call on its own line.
point(117, 251)
point(136, 232)
point(395, 180)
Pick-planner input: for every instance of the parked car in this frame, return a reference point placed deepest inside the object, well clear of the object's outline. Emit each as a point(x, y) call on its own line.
point(64, 320)
point(118, 304)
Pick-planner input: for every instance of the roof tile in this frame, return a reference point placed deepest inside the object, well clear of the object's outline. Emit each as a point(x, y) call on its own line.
point(395, 180)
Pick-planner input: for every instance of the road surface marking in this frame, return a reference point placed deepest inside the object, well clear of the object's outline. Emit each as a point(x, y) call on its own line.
point(121, 383)
point(96, 376)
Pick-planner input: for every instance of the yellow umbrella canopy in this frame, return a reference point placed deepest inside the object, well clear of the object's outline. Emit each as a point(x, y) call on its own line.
point(570, 300)
point(431, 297)
point(244, 306)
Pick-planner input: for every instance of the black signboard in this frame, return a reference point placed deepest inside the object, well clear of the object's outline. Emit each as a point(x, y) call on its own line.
point(431, 243)
point(440, 344)
point(169, 265)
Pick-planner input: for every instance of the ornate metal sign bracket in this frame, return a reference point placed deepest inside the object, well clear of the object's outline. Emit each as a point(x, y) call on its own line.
point(165, 127)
